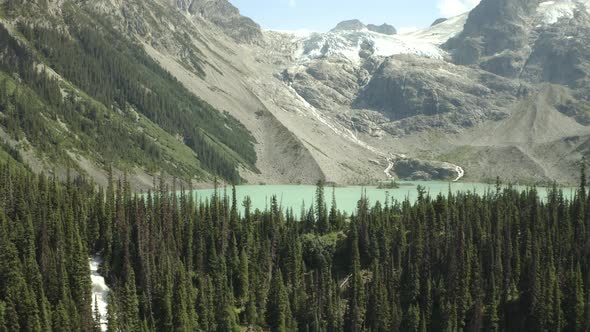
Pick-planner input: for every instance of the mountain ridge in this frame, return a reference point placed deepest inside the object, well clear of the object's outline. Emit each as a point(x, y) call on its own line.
point(343, 103)
point(357, 25)
point(173, 112)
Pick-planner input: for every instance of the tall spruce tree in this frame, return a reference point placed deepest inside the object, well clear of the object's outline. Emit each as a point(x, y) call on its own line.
point(276, 311)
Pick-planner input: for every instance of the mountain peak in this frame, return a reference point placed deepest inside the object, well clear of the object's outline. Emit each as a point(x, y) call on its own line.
point(439, 21)
point(349, 25)
point(384, 28)
point(224, 15)
point(357, 25)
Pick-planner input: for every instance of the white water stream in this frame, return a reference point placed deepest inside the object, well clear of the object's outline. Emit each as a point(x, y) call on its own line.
point(100, 291)
point(460, 173)
point(389, 168)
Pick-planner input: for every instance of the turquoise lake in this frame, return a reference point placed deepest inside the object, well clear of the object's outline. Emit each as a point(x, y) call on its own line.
point(293, 196)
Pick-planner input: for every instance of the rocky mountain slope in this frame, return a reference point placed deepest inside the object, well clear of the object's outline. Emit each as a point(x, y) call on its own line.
point(501, 91)
point(492, 90)
point(80, 97)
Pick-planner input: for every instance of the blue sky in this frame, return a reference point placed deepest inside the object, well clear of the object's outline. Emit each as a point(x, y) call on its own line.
point(322, 15)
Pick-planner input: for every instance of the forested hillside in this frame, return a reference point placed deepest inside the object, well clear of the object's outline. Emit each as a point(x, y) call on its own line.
point(504, 261)
point(74, 86)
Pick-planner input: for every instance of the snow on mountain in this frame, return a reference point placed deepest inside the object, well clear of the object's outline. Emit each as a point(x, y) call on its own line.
point(300, 33)
point(439, 33)
point(350, 45)
point(550, 12)
point(354, 44)
point(358, 42)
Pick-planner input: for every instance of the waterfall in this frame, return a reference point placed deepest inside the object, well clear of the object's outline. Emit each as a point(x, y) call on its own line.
point(460, 173)
point(100, 291)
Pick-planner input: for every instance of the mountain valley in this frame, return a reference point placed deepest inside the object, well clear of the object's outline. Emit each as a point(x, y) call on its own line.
point(484, 92)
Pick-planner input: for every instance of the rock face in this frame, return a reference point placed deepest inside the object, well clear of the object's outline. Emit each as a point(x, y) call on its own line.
point(226, 16)
point(501, 87)
point(438, 21)
point(349, 25)
point(404, 87)
point(531, 39)
point(384, 28)
point(561, 54)
point(328, 84)
point(420, 170)
point(494, 26)
point(356, 25)
point(496, 87)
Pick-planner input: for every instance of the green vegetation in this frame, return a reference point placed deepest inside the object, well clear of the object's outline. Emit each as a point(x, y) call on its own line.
point(505, 261)
point(79, 86)
point(388, 185)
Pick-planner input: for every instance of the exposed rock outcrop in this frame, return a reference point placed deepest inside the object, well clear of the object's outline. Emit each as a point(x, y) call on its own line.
point(404, 87)
point(384, 28)
point(349, 25)
point(415, 169)
point(438, 21)
point(493, 27)
point(226, 16)
point(356, 25)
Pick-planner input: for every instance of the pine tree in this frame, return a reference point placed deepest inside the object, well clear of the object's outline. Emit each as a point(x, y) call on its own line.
point(61, 318)
point(112, 314)
point(333, 216)
point(504, 261)
point(11, 319)
point(181, 305)
point(205, 305)
point(355, 314)
point(579, 300)
point(323, 225)
point(276, 310)
point(412, 318)
point(244, 282)
point(128, 318)
point(492, 319)
point(378, 320)
point(3, 327)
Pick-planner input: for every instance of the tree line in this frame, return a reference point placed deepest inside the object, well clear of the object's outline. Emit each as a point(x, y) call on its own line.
point(106, 73)
point(116, 71)
point(501, 261)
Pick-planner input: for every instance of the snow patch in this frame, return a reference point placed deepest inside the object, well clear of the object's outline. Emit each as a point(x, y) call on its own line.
point(440, 33)
point(100, 291)
point(349, 44)
point(301, 33)
point(550, 12)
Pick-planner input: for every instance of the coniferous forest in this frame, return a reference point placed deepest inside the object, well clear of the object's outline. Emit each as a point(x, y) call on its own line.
point(97, 87)
point(504, 261)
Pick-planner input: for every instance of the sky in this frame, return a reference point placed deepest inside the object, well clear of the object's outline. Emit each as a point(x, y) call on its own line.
point(322, 15)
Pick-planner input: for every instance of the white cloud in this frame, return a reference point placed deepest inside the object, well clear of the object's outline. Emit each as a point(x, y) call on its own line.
point(292, 3)
point(450, 8)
